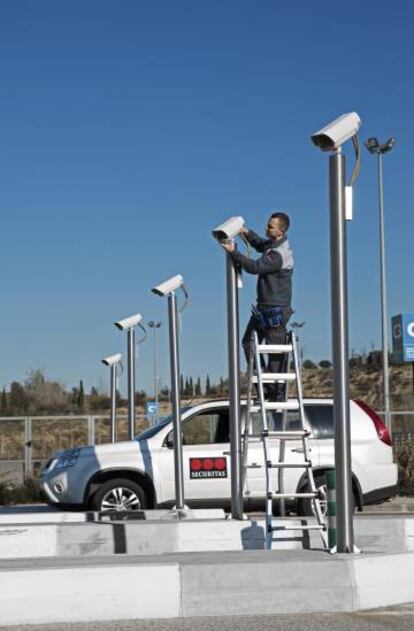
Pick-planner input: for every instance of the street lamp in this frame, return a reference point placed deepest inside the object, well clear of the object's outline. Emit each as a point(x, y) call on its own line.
point(379, 149)
point(295, 326)
point(155, 325)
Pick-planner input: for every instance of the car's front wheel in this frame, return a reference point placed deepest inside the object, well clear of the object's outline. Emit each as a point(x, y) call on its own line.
point(118, 495)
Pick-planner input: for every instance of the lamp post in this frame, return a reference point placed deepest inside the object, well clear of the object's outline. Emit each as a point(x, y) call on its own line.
point(379, 149)
point(295, 326)
point(154, 326)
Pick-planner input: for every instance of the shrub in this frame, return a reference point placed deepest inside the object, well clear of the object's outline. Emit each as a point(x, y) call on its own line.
point(27, 493)
point(404, 457)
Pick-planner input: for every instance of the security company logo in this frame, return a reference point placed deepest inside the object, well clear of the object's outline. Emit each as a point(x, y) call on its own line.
point(207, 468)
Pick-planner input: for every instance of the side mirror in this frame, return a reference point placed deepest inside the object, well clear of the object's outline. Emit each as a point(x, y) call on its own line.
point(169, 441)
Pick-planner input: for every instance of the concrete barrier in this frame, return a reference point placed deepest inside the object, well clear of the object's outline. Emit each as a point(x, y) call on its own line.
point(163, 535)
point(200, 584)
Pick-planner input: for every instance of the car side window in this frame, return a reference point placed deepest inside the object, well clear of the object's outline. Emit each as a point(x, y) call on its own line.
point(320, 418)
point(207, 428)
point(275, 421)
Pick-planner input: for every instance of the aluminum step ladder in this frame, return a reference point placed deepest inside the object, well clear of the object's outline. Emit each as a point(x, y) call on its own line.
point(258, 377)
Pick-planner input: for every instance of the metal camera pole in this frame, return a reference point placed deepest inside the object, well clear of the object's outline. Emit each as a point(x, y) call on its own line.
point(131, 382)
point(234, 388)
point(113, 402)
point(176, 401)
point(339, 307)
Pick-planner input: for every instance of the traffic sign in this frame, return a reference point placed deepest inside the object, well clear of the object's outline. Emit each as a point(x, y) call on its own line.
point(152, 408)
point(403, 337)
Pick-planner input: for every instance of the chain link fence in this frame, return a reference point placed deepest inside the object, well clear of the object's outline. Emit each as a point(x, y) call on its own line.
point(27, 442)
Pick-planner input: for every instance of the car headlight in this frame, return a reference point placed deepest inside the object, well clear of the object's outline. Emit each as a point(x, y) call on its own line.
point(67, 458)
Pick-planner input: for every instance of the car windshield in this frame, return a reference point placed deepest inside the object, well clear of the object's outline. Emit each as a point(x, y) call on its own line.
point(154, 429)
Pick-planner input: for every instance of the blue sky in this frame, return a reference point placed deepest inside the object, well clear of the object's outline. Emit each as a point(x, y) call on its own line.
point(130, 129)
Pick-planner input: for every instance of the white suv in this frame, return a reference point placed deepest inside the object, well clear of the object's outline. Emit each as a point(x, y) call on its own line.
point(140, 473)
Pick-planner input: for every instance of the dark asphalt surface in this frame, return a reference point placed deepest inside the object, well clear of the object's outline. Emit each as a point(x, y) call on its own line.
point(401, 617)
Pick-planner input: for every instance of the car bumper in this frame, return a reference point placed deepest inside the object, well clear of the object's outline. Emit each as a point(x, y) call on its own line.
point(380, 495)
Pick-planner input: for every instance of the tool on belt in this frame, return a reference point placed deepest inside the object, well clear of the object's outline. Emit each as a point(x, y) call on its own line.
point(268, 316)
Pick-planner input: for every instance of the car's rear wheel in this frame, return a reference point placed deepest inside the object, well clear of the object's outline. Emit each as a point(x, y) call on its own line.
point(306, 506)
point(118, 495)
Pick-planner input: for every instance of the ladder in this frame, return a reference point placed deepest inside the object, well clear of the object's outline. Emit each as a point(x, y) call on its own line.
point(258, 377)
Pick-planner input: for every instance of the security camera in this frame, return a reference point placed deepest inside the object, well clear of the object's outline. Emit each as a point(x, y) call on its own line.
point(128, 323)
point(336, 133)
point(112, 359)
point(229, 229)
point(168, 286)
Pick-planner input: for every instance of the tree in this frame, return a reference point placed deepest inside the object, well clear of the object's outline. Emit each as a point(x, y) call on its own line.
point(81, 398)
point(3, 405)
point(181, 385)
point(325, 363)
point(18, 399)
point(191, 387)
point(197, 391)
point(308, 364)
point(208, 385)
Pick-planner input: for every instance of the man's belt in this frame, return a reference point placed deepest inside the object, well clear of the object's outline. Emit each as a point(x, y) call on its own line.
point(268, 316)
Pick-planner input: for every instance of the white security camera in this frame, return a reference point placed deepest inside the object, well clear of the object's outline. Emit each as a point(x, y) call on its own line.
point(229, 229)
point(128, 323)
point(336, 133)
point(168, 286)
point(112, 359)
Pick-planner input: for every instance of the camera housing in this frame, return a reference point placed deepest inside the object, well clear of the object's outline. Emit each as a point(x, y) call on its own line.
point(111, 360)
point(168, 286)
point(128, 323)
point(229, 229)
point(336, 133)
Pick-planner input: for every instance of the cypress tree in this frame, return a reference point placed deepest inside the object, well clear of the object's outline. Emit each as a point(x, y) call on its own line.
point(81, 398)
point(3, 405)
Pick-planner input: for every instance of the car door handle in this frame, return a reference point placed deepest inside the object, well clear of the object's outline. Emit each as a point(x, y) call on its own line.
point(300, 450)
point(226, 453)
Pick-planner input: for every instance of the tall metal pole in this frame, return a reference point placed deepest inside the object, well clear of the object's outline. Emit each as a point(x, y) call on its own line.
point(234, 389)
point(156, 368)
point(384, 310)
point(339, 306)
point(113, 403)
point(131, 383)
point(176, 401)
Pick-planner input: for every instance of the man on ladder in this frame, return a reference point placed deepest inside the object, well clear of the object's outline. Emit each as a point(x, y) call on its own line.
point(274, 290)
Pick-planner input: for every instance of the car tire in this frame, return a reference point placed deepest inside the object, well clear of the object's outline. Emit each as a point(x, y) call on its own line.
point(118, 495)
point(305, 505)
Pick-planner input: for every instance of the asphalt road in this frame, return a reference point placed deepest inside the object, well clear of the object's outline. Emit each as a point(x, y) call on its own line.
point(400, 617)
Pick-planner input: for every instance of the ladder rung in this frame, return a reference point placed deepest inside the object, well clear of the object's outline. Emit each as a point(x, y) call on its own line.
point(270, 377)
point(277, 405)
point(288, 435)
point(289, 465)
point(285, 495)
point(274, 348)
point(282, 435)
point(312, 527)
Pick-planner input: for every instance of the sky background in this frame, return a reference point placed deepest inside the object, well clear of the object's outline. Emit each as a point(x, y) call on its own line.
point(128, 130)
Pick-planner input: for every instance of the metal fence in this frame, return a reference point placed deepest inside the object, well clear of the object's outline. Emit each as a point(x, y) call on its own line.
point(27, 442)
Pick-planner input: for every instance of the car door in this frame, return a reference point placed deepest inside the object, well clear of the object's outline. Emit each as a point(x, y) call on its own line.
point(206, 457)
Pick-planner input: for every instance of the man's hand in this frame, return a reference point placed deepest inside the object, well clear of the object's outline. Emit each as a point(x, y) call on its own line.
point(243, 230)
point(229, 246)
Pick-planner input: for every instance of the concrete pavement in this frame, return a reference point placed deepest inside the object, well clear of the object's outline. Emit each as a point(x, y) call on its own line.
point(74, 567)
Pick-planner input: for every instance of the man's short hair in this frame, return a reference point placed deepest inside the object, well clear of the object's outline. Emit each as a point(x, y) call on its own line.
point(283, 220)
